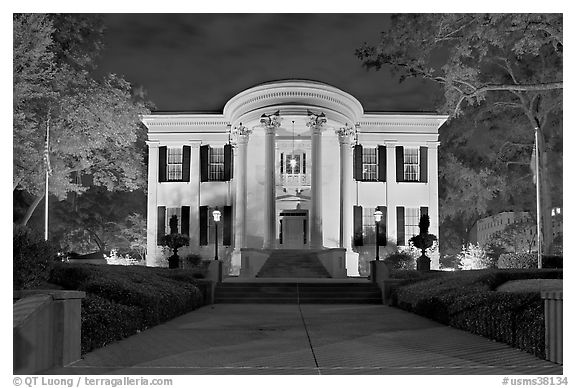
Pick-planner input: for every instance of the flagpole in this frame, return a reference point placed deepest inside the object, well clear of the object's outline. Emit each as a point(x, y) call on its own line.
point(47, 160)
point(538, 211)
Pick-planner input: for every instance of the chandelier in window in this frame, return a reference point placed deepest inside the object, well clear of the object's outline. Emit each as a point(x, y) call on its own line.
point(293, 162)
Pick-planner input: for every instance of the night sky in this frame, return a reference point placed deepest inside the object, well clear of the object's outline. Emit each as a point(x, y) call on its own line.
point(196, 62)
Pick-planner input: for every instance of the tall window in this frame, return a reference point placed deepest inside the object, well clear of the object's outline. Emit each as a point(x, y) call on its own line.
point(369, 164)
point(174, 164)
point(411, 220)
point(368, 225)
point(288, 165)
point(216, 164)
point(173, 211)
point(411, 164)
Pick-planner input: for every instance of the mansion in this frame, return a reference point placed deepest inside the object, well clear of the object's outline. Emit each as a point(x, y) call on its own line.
point(292, 166)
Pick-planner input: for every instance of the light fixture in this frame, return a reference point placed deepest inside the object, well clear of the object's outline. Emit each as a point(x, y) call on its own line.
point(216, 214)
point(378, 217)
point(293, 162)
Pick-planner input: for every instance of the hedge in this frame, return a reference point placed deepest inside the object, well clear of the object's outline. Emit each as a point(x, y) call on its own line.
point(33, 258)
point(122, 300)
point(528, 260)
point(468, 300)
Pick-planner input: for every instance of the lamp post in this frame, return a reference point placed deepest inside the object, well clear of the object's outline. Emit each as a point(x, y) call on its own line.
point(216, 214)
point(378, 218)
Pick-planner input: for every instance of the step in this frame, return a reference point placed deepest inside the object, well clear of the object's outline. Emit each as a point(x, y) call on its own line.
point(298, 292)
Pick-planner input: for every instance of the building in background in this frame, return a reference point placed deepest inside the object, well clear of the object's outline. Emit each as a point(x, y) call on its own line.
point(524, 225)
point(292, 165)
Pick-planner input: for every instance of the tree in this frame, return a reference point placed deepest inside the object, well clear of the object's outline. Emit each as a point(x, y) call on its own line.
point(94, 124)
point(465, 195)
point(511, 61)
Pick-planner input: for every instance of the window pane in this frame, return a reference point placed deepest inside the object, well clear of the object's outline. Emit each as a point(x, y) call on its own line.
point(174, 164)
point(369, 164)
point(411, 163)
point(173, 211)
point(411, 220)
point(216, 164)
point(368, 225)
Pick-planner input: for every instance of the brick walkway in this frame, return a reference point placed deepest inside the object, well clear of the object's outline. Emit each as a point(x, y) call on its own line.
point(307, 339)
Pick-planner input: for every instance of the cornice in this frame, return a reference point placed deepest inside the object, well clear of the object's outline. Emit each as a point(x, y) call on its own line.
point(293, 92)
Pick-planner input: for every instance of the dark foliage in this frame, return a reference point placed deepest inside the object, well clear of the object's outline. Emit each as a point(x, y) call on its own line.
point(122, 300)
point(33, 258)
point(468, 301)
point(399, 260)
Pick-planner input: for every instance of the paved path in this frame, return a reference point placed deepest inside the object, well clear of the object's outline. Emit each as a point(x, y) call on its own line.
point(307, 339)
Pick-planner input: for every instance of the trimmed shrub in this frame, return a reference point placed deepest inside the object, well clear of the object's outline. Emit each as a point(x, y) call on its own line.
point(468, 301)
point(552, 261)
point(105, 321)
point(401, 260)
point(33, 258)
point(141, 296)
point(518, 260)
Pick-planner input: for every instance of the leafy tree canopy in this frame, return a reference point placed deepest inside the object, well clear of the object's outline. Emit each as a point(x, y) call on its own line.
point(93, 122)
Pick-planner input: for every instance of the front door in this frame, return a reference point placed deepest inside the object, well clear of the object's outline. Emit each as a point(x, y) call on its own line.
point(294, 229)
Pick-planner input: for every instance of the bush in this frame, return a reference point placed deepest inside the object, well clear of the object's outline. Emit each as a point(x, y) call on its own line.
point(468, 301)
point(518, 260)
point(33, 258)
point(401, 261)
point(552, 261)
point(105, 321)
point(474, 257)
point(124, 299)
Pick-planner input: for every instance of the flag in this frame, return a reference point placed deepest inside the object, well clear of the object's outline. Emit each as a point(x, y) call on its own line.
point(533, 164)
point(47, 154)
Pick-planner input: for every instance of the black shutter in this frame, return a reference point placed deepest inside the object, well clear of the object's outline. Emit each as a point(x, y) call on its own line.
point(382, 163)
point(162, 163)
point(161, 226)
point(358, 239)
point(382, 237)
point(400, 225)
point(358, 162)
point(185, 222)
point(228, 161)
point(304, 163)
point(186, 164)
point(204, 163)
point(203, 215)
point(399, 164)
point(423, 164)
point(281, 162)
point(227, 226)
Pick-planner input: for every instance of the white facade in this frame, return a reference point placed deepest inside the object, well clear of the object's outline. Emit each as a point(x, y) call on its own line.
point(292, 165)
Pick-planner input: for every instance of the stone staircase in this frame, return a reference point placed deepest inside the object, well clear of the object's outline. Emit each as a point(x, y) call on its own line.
point(298, 293)
point(292, 263)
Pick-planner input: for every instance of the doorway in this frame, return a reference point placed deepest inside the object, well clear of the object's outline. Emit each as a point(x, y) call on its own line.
point(294, 229)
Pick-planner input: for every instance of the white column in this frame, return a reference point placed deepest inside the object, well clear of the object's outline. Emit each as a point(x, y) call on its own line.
point(346, 183)
point(270, 188)
point(194, 199)
point(241, 192)
point(152, 213)
point(391, 196)
point(316, 238)
point(346, 199)
point(433, 198)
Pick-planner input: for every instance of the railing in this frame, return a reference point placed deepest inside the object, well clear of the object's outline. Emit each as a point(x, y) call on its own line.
point(294, 179)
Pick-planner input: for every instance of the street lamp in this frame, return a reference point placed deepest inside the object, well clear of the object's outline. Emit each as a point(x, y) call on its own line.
point(378, 218)
point(216, 214)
